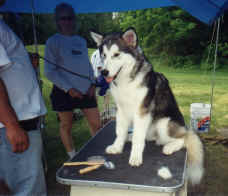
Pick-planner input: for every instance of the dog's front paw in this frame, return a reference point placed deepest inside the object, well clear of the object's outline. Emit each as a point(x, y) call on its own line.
point(113, 149)
point(135, 159)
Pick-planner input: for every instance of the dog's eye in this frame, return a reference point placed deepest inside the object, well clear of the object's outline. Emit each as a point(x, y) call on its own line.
point(116, 54)
point(103, 55)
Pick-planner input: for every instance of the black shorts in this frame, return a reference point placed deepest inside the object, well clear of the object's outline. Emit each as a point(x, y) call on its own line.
point(62, 101)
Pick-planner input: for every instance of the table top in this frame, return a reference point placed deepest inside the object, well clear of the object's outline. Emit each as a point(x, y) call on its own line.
point(124, 176)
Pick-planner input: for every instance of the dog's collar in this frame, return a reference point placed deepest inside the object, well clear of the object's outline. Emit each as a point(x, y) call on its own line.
point(114, 82)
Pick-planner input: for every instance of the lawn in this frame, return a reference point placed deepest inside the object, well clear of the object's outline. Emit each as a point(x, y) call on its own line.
point(189, 86)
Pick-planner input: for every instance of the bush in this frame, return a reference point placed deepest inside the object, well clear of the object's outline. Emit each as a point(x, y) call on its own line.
point(190, 61)
point(209, 65)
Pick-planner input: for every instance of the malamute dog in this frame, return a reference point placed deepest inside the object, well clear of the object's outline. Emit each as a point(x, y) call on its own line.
point(144, 98)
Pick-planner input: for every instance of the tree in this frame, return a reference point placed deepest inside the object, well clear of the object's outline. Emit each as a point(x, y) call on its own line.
point(101, 23)
point(166, 30)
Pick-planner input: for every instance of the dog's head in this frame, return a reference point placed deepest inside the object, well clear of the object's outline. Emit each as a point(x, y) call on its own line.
point(117, 52)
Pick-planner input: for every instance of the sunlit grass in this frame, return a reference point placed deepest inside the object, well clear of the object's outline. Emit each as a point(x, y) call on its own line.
point(189, 86)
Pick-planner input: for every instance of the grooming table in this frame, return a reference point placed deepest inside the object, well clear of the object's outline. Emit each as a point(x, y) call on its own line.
point(124, 179)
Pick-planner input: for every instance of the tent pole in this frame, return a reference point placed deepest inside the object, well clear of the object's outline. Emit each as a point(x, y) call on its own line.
point(41, 120)
point(208, 56)
point(214, 68)
point(34, 27)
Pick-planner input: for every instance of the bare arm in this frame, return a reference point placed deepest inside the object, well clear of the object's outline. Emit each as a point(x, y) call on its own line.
point(16, 135)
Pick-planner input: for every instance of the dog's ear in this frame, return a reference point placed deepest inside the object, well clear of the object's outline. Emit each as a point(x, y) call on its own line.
point(130, 37)
point(97, 38)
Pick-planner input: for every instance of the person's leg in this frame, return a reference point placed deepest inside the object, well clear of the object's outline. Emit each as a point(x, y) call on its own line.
point(66, 121)
point(93, 117)
point(62, 103)
point(23, 172)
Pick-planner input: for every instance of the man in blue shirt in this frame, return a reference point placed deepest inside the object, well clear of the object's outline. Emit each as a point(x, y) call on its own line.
point(21, 105)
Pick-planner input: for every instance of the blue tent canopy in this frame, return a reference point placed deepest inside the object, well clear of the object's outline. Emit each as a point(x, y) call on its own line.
point(84, 6)
point(205, 10)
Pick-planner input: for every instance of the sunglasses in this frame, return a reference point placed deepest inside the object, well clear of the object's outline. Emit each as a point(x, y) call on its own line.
point(69, 18)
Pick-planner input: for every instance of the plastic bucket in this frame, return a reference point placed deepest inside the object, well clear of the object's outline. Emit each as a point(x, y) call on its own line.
point(200, 117)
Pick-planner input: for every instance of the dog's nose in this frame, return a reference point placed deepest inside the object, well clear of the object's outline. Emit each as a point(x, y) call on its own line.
point(105, 72)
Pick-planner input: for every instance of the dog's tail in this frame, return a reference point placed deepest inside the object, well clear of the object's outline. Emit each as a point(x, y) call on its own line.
point(194, 146)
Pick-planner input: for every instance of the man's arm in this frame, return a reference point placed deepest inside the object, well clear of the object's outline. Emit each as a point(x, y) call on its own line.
point(16, 135)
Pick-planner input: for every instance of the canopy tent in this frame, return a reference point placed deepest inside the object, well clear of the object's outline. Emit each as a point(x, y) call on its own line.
point(205, 10)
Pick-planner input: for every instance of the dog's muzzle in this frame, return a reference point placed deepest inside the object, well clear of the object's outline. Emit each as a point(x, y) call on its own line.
point(105, 73)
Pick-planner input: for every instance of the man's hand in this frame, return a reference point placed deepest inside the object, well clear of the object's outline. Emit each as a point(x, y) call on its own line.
point(91, 91)
point(18, 138)
point(75, 93)
point(4, 189)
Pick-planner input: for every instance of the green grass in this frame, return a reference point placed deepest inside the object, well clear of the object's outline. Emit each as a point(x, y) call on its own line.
point(189, 86)
point(193, 86)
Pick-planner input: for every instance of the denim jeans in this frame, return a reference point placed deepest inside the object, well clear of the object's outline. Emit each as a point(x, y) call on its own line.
point(23, 172)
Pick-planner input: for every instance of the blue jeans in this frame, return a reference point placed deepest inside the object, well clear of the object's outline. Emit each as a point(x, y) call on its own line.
point(23, 172)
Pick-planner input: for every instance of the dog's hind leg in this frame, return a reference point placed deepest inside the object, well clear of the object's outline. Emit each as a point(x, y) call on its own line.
point(141, 125)
point(122, 124)
point(173, 146)
point(172, 142)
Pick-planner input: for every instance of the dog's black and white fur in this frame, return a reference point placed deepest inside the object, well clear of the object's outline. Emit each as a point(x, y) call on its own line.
point(144, 98)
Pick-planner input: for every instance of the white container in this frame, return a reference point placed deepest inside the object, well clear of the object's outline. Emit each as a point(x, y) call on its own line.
point(200, 117)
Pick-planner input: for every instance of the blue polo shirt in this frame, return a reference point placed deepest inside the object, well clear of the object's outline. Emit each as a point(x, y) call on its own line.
point(19, 76)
